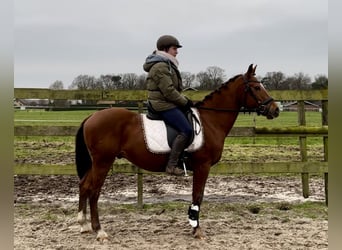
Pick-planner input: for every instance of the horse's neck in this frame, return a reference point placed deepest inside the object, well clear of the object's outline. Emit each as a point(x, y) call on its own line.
point(224, 118)
point(220, 122)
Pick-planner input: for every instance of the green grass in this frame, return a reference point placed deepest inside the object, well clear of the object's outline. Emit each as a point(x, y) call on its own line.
point(311, 141)
point(311, 210)
point(285, 119)
point(74, 118)
point(53, 118)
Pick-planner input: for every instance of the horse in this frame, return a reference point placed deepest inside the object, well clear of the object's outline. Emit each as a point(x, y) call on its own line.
point(117, 133)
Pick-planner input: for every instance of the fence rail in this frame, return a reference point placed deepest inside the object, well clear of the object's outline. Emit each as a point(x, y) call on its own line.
point(235, 131)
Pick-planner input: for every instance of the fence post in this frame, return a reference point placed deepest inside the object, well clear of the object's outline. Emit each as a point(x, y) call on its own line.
point(303, 148)
point(325, 144)
point(140, 174)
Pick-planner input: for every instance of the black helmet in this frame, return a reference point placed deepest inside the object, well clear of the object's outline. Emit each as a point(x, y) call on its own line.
point(167, 41)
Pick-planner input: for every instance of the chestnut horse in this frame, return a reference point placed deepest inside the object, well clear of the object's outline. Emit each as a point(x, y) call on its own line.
point(117, 132)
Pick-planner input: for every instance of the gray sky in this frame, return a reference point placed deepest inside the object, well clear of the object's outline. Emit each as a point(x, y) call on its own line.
point(59, 40)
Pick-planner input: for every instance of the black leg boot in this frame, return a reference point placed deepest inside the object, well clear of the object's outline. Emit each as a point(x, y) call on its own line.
point(178, 146)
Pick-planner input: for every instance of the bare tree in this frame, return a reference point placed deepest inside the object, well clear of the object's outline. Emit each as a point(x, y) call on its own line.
point(106, 82)
point(216, 75)
point(212, 78)
point(57, 85)
point(299, 81)
point(129, 80)
point(141, 82)
point(83, 82)
point(187, 79)
point(274, 80)
point(203, 80)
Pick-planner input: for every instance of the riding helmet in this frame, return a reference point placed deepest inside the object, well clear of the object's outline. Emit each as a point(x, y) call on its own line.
point(167, 41)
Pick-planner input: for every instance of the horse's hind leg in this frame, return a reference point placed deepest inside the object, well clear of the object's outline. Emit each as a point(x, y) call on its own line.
point(82, 206)
point(97, 177)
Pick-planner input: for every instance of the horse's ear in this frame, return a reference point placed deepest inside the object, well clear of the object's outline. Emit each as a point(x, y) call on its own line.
point(251, 70)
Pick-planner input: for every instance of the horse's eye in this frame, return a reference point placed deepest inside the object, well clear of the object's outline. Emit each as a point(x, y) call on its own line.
point(257, 88)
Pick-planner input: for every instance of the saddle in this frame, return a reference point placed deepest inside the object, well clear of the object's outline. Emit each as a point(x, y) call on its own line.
point(159, 136)
point(171, 131)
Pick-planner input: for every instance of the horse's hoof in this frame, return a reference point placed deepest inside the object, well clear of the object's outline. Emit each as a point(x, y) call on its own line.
point(198, 233)
point(102, 236)
point(86, 228)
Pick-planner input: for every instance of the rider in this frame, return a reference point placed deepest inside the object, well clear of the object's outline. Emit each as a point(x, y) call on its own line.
point(164, 85)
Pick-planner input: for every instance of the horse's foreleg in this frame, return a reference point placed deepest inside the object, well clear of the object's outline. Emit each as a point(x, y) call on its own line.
point(82, 207)
point(199, 179)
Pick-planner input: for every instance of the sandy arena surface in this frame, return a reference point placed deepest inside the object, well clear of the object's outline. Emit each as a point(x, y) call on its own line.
point(239, 212)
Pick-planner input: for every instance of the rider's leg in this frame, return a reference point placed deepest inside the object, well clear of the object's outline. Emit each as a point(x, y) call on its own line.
point(177, 119)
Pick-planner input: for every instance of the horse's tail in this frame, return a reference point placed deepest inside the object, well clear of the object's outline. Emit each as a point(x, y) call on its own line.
point(83, 160)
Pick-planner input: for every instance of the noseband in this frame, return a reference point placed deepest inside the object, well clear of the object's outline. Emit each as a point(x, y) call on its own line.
point(263, 107)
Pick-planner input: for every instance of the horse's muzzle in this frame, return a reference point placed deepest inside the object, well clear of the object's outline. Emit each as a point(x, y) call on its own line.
point(271, 111)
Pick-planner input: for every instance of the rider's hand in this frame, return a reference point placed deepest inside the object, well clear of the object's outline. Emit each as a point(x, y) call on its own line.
point(189, 104)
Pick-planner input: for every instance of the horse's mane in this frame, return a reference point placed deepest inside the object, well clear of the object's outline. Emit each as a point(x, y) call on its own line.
point(217, 90)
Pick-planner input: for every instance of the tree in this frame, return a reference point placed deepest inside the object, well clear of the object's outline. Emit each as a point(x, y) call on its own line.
point(216, 75)
point(141, 82)
point(116, 81)
point(84, 82)
point(212, 78)
point(129, 80)
point(187, 79)
point(274, 80)
point(321, 82)
point(57, 85)
point(106, 82)
point(300, 81)
point(203, 80)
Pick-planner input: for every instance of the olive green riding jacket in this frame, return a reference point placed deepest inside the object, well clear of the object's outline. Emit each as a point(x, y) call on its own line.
point(164, 83)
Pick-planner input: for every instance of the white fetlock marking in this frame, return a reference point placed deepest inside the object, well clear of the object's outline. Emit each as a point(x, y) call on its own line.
point(81, 218)
point(102, 235)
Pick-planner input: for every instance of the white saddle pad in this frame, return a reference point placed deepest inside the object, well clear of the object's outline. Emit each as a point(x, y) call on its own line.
point(156, 138)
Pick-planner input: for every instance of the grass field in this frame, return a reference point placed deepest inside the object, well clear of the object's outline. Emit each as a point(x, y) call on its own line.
point(74, 118)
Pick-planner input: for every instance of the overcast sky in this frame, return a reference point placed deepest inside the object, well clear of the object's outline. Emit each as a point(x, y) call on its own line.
point(59, 40)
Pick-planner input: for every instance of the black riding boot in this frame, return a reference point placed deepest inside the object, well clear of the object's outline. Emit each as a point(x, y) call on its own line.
point(178, 146)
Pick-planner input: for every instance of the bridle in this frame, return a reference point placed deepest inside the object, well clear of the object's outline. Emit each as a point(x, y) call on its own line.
point(262, 109)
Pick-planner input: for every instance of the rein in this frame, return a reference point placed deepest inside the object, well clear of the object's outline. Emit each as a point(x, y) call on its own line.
point(242, 110)
point(261, 109)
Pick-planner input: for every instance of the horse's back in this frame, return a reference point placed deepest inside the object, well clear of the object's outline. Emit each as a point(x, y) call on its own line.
point(110, 117)
point(110, 123)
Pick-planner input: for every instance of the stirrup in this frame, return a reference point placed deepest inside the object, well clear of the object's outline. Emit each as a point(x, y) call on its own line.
point(173, 170)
